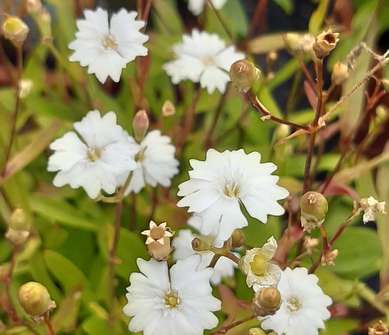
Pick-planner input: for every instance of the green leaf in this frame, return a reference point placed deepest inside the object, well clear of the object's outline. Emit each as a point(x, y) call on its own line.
point(318, 17)
point(65, 271)
point(359, 253)
point(286, 5)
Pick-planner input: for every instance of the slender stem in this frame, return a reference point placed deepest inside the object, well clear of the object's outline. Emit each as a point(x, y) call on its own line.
point(19, 53)
point(214, 260)
point(234, 324)
point(132, 225)
point(258, 106)
point(11, 311)
point(319, 106)
point(307, 74)
point(50, 328)
point(221, 20)
point(216, 116)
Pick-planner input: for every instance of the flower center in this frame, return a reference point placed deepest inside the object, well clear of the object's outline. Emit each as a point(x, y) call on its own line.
point(94, 154)
point(259, 265)
point(208, 60)
point(109, 42)
point(172, 300)
point(231, 190)
point(157, 233)
point(293, 304)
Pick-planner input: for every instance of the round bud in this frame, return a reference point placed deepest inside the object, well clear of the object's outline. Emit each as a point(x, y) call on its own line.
point(160, 251)
point(19, 220)
point(314, 207)
point(340, 73)
point(17, 237)
point(15, 30)
point(269, 299)
point(244, 74)
point(35, 299)
point(256, 331)
point(200, 245)
point(325, 43)
point(140, 125)
point(238, 238)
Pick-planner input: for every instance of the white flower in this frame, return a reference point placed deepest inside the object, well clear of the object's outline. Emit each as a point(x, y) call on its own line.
point(260, 270)
point(178, 301)
point(107, 46)
point(203, 58)
point(303, 307)
point(222, 183)
point(182, 244)
point(371, 207)
point(94, 157)
point(197, 6)
point(155, 163)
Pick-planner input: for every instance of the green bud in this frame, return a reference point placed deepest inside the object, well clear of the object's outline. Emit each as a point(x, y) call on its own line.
point(35, 299)
point(340, 73)
point(244, 74)
point(140, 125)
point(17, 237)
point(314, 207)
point(200, 245)
point(19, 220)
point(238, 238)
point(15, 30)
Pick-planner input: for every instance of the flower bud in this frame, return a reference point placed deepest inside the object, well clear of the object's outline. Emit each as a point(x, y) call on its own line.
point(200, 245)
point(256, 331)
point(314, 207)
point(160, 251)
point(267, 301)
point(35, 299)
point(19, 220)
point(325, 42)
point(15, 30)
point(300, 43)
point(17, 237)
point(244, 74)
point(379, 328)
point(238, 238)
point(340, 73)
point(140, 125)
point(168, 108)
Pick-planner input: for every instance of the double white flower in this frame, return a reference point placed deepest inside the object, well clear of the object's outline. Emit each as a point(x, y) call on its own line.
point(222, 183)
point(203, 58)
point(106, 46)
point(171, 302)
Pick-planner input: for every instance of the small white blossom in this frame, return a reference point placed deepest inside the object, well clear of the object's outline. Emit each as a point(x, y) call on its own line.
point(106, 46)
point(371, 207)
point(93, 156)
point(304, 305)
point(178, 301)
point(157, 233)
point(182, 244)
point(197, 6)
point(260, 270)
point(222, 183)
point(203, 58)
point(155, 163)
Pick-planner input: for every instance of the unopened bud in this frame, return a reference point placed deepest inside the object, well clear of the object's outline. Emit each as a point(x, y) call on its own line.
point(325, 42)
point(244, 74)
point(140, 125)
point(256, 331)
point(340, 73)
point(15, 30)
point(19, 220)
point(379, 328)
point(168, 108)
point(282, 131)
point(314, 207)
point(200, 245)
point(17, 237)
point(33, 6)
point(160, 251)
point(299, 43)
point(238, 238)
point(35, 299)
point(268, 301)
